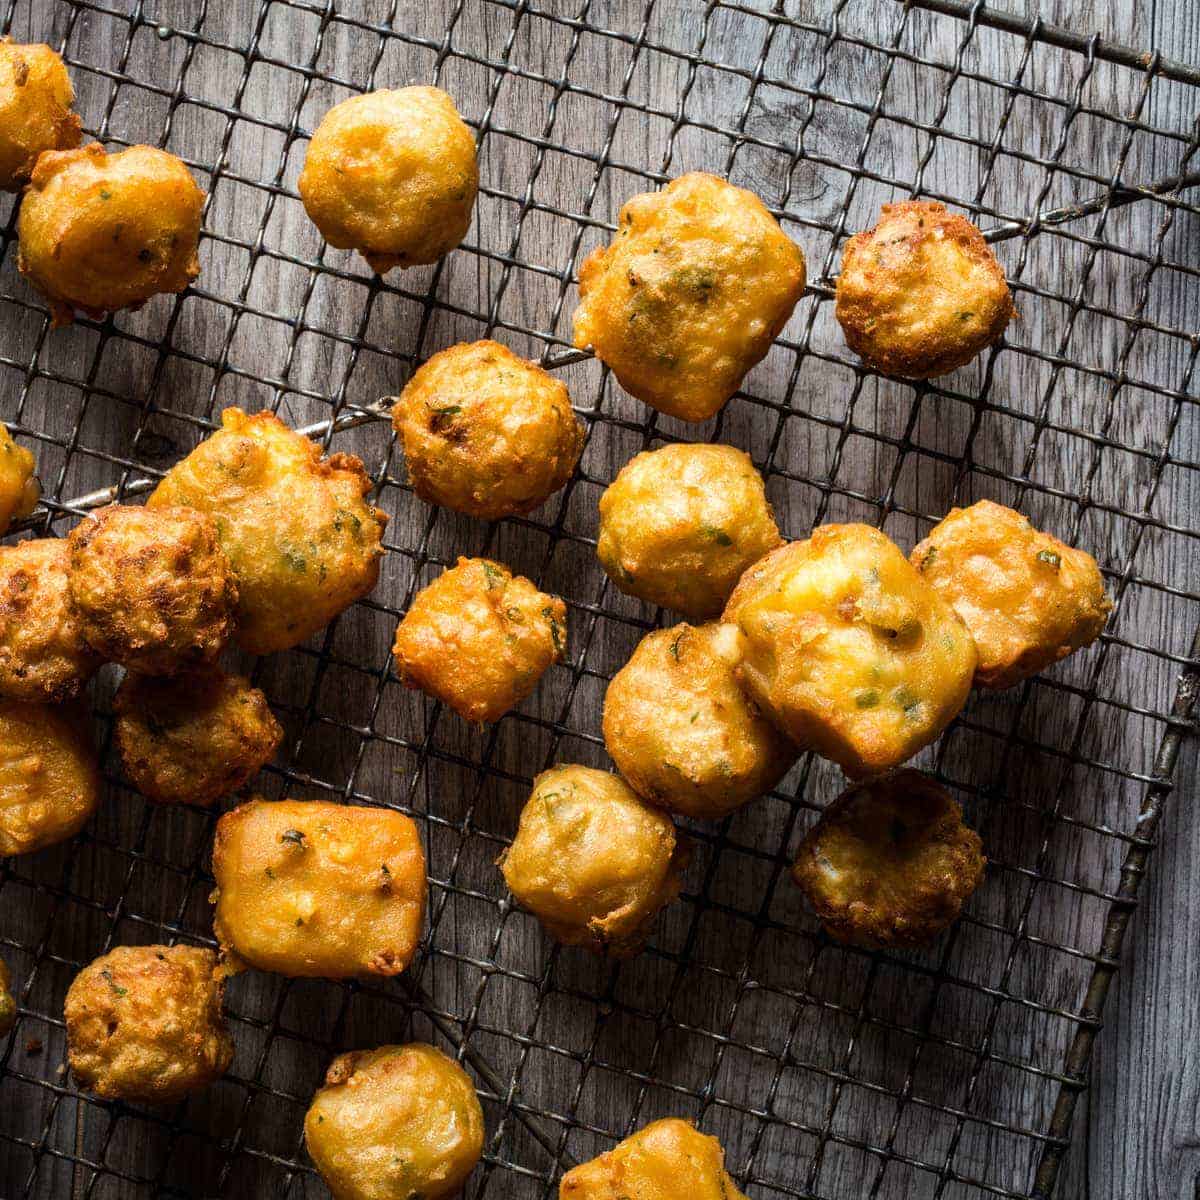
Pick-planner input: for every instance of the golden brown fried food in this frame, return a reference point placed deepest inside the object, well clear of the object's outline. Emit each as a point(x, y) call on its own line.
point(922, 292)
point(35, 110)
point(43, 656)
point(309, 888)
point(679, 525)
point(479, 638)
point(1027, 598)
point(890, 862)
point(8, 1003)
point(592, 862)
point(193, 738)
point(49, 775)
point(19, 489)
point(485, 432)
point(689, 295)
point(683, 733)
point(303, 542)
point(145, 1023)
point(848, 650)
point(101, 231)
point(667, 1160)
point(152, 588)
point(396, 1123)
point(393, 175)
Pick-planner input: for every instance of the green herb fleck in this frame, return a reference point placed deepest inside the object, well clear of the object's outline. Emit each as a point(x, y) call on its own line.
point(929, 556)
point(299, 922)
point(494, 576)
point(694, 716)
point(270, 873)
point(555, 631)
point(294, 836)
point(866, 700)
point(675, 644)
point(965, 316)
point(717, 535)
point(1050, 558)
point(515, 616)
point(105, 194)
point(112, 983)
point(296, 561)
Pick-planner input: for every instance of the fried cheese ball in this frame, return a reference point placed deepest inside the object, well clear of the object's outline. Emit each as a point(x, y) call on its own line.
point(43, 656)
point(193, 738)
point(689, 295)
point(679, 526)
point(666, 1160)
point(396, 1123)
point(593, 862)
point(102, 231)
point(1027, 598)
point(307, 888)
point(8, 1003)
point(152, 588)
point(303, 542)
point(145, 1023)
point(19, 491)
point(485, 432)
point(890, 862)
point(848, 650)
point(479, 638)
point(922, 292)
point(35, 110)
point(683, 733)
point(393, 175)
point(49, 775)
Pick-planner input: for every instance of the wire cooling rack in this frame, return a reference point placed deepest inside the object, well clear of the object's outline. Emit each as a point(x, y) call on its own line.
point(826, 1071)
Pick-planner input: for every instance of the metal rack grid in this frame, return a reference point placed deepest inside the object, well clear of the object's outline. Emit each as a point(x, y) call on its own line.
point(826, 1071)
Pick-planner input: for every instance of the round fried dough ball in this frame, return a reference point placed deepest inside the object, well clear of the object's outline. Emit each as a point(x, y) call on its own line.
point(1027, 598)
point(49, 775)
point(667, 1160)
point(890, 862)
point(848, 650)
point(43, 656)
point(35, 110)
point(193, 738)
point(479, 638)
point(395, 1123)
point(145, 1023)
point(922, 292)
point(683, 733)
point(485, 432)
point(152, 587)
point(8, 1003)
point(19, 490)
point(679, 525)
point(101, 231)
point(592, 862)
point(303, 542)
point(393, 175)
point(689, 295)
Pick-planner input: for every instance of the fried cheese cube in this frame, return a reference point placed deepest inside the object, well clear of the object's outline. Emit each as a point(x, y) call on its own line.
point(35, 110)
point(395, 1123)
point(848, 650)
point(690, 294)
point(19, 491)
point(307, 888)
point(1027, 598)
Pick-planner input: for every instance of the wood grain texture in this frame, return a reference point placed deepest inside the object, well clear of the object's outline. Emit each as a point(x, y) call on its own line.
point(739, 1007)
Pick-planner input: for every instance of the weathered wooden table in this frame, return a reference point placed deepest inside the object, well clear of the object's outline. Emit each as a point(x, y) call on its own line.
point(825, 1071)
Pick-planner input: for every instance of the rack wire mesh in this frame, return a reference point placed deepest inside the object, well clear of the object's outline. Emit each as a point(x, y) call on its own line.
point(826, 1071)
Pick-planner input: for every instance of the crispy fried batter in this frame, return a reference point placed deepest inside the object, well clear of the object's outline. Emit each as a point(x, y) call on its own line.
point(102, 231)
point(19, 491)
point(667, 1160)
point(8, 1003)
point(848, 650)
point(194, 738)
point(303, 542)
point(35, 110)
point(1027, 598)
point(395, 1123)
point(43, 656)
point(890, 862)
point(679, 525)
point(592, 862)
point(145, 1023)
point(681, 731)
point(689, 295)
point(393, 175)
point(479, 638)
point(922, 292)
point(485, 432)
point(309, 888)
point(152, 588)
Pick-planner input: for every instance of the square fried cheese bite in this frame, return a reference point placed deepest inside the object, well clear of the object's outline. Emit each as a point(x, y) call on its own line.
point(308, 888)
